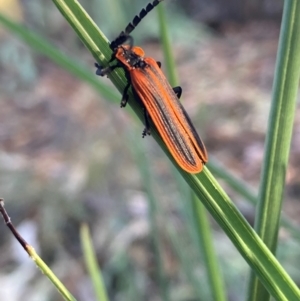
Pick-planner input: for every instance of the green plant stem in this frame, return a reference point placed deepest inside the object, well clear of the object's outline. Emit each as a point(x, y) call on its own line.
point(35, 257)
point(258, 256)
point(92, 264)
point(41, 45)
point(167, 48)
point(285, 88)
point(51, 276)
point(247, 192)
point(206, 245)
point(202, 229)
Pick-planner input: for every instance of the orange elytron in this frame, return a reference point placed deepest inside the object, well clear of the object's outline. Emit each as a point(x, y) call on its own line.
point(158, 99)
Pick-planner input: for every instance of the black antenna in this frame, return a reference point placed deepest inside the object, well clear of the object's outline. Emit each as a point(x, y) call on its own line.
point(123, 36)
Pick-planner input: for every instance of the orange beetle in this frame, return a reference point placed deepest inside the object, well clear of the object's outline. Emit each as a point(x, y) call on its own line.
point(158, 99)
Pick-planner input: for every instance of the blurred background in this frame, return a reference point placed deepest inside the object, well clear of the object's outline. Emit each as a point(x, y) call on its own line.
point(68, 155)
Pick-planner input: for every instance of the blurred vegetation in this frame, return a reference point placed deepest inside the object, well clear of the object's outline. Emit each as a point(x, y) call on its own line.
point(68, 156)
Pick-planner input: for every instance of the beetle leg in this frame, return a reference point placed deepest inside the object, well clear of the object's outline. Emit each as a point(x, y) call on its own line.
point(178, 91)
point(146, 130)
point(101, 71)
point(125, 96)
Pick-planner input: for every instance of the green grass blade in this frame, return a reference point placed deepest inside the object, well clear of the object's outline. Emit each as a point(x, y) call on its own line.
point(167, 48)
point(251, 247)
point(202, 229)
point(267, 268)
point(92, 264)
point(51, 276)
point(234, 182)
point(41, 45)
point(210, 258)
point(90, 35)
point(285, 89)
point(35, 257)
point(247, 192)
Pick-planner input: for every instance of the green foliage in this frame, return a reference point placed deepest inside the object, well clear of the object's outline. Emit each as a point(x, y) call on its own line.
point(205, 188)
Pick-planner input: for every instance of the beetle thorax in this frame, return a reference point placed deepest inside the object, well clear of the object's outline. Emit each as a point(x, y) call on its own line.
point(130, 57)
